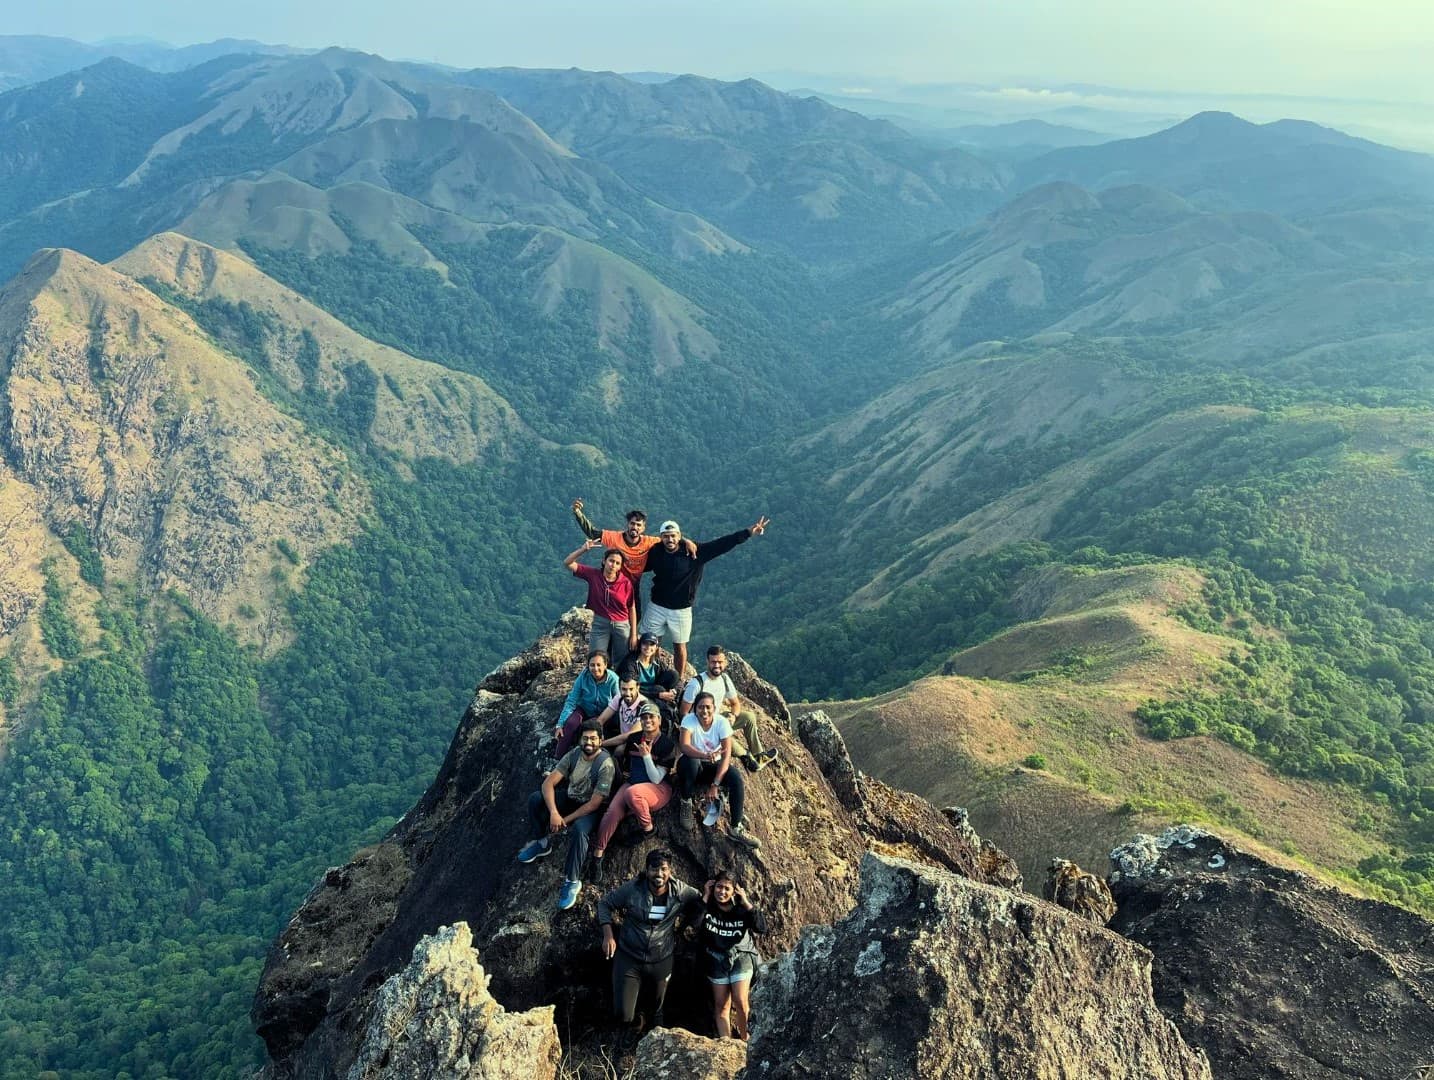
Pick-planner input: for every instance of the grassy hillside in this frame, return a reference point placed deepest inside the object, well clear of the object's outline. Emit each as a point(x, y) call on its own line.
point(1036, 731)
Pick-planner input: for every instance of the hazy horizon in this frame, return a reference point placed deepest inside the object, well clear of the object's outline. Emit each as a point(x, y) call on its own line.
point(1366, 71)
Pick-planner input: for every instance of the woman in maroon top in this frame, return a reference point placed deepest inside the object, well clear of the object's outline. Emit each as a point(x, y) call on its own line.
point(612, 598)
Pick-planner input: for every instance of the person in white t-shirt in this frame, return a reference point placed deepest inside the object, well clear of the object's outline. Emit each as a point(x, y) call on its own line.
point(719, 684)
point(704, 768)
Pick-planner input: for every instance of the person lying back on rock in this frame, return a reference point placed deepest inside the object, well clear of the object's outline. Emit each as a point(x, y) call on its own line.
point(675, 579)
point(646, 761)
point(728, 922)
point(705, 767)
point(593, 690)
point(657, 681)
point(624, 712)
point(652, 908)
point(612, 598)
point(568, 802)
point(719, 684)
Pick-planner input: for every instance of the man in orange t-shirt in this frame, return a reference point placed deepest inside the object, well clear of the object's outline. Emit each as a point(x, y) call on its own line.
point(634, 546)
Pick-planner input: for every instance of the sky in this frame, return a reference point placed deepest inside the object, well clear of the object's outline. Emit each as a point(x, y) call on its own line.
point(1377, 49)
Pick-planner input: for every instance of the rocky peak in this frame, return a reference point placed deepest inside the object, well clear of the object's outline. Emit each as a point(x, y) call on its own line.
point(1272, 973)
point(957, 976)
point(436, 1019)
point(935, 975)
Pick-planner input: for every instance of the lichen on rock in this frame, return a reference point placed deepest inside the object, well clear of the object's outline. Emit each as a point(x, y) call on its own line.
point(436, 1020)
point(936, 975)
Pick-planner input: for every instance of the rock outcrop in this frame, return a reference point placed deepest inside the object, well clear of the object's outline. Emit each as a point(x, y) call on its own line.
point(672, 1052)
point(888, 966)
point(935, 975)
point(1079, 892)
point(899, 823)
point(451, 859)
point(436, 1020)
point(1273, 974)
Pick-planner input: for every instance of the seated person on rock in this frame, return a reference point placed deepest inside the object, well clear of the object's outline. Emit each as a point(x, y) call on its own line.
point(612, 598)
point(728, 922)
point(657, 681)
point(652, 908)
point(624, 712)
point(705, 766)
point(719, 684)
point(646, 760)
point(568, 802)
point(590, 695)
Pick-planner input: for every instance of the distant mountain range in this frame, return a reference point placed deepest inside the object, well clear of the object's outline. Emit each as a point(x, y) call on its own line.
point(33, 58)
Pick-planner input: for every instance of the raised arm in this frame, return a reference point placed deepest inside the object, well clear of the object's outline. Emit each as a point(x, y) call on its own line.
point(571, 559)
point(711, 549)
point(591, 531)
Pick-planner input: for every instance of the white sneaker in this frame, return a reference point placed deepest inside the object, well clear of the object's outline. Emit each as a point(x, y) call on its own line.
point(711, 812)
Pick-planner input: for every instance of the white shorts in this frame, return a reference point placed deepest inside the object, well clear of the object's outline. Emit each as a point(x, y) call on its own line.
point(666, 623)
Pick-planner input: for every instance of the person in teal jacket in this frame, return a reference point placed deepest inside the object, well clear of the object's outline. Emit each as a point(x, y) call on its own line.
point(590, 695)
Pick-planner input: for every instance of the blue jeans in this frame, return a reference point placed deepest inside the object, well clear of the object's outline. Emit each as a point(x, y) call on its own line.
point(577, 833)
point(611, 638)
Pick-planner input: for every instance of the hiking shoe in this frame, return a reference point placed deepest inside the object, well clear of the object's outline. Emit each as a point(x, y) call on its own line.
point(739, 834)
point(569, 896)
point(767, 757)
point(711, 812)
point(684, 814)
point(534, 850)
point(750, 763)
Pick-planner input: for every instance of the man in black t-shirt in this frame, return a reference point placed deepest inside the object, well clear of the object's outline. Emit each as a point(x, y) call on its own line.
point(675, 578)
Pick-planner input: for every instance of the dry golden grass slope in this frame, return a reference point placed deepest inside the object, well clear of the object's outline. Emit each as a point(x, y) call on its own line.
point(120, 415)
point(1064, 685)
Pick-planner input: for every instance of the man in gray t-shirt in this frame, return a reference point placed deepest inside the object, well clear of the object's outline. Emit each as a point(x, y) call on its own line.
point(569, 801)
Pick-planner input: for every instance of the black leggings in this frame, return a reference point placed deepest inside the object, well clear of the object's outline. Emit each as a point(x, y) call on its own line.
point(695, 775)
point(628, 978)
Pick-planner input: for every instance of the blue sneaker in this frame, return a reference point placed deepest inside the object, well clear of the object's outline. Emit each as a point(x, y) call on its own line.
point(534, 850)
point(569, 896)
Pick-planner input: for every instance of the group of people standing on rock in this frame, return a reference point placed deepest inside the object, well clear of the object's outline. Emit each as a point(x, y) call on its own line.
point(633, 737)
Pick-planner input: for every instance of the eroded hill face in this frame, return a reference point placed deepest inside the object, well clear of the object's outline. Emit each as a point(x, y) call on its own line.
point(122, 417)
point(127, 420)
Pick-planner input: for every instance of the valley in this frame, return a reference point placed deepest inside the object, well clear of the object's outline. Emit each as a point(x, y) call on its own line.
point(1101, 478)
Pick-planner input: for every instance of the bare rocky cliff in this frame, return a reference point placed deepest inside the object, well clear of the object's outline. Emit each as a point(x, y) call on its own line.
point(118, 415)
point(846, 866)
